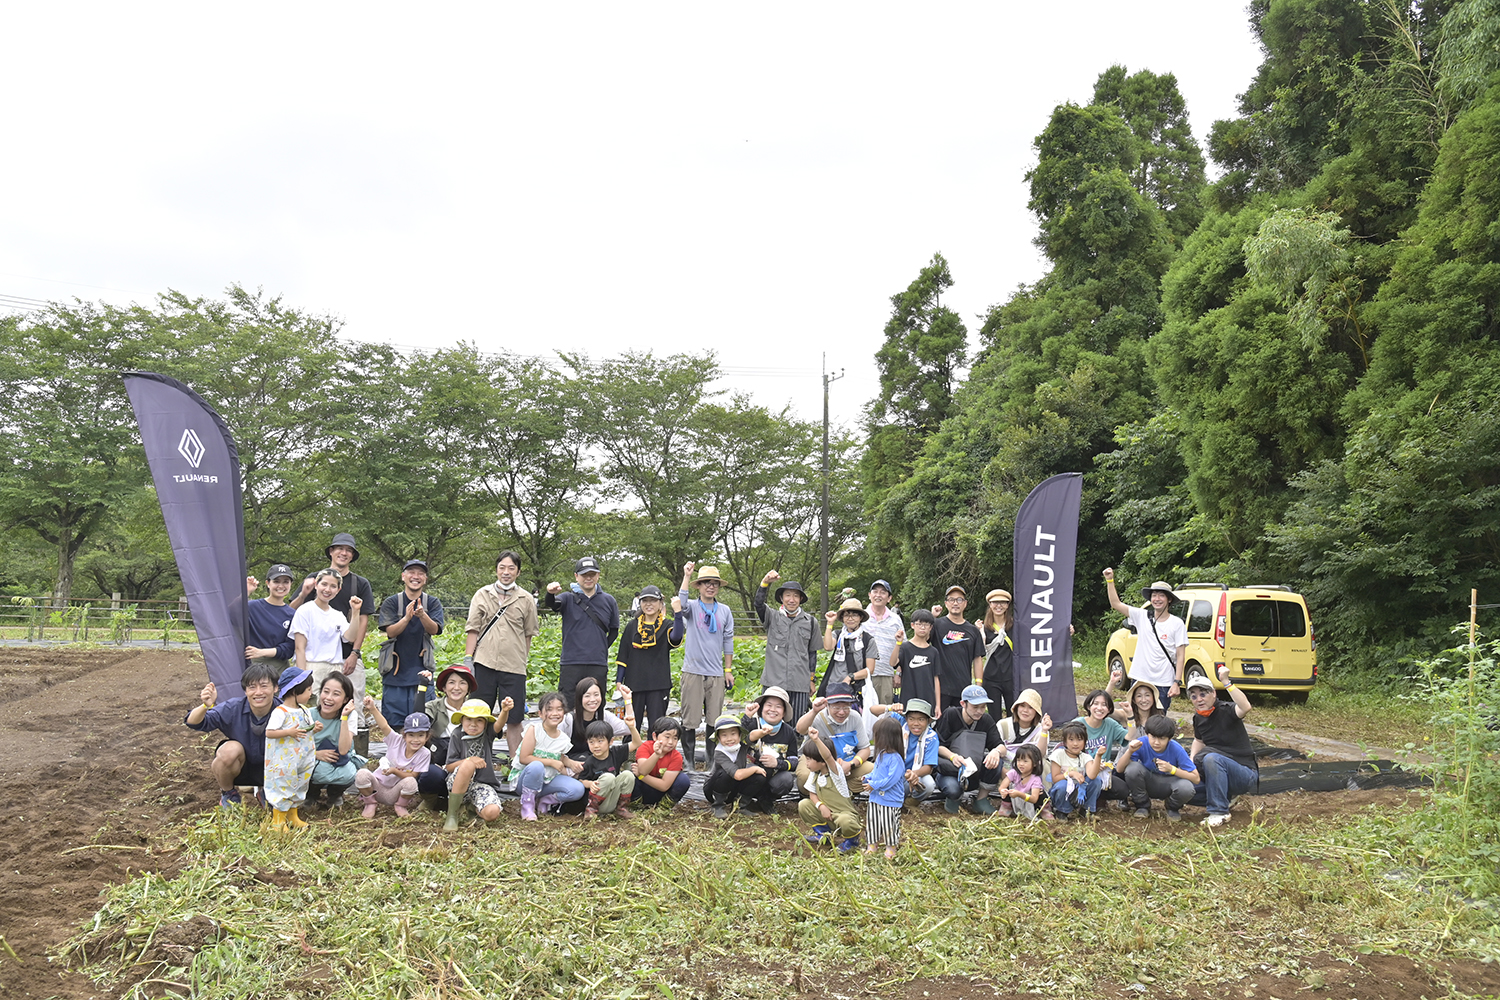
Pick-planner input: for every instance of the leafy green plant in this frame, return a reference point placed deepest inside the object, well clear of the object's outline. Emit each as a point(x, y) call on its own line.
point(1460, 835)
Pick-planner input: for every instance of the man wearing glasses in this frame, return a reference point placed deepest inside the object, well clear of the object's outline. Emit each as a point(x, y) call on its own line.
point(960, 649)
point(708, 652)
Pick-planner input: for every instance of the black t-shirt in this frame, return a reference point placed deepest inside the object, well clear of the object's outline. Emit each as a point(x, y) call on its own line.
point(919, 666)
point(644, 661)
point(1223, 731)
point(594, 768)
point(951, 723)
point(957, 645)
point(353, 585)
point(999, 667)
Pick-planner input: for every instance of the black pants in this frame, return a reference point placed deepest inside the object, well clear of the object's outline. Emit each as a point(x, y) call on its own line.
point(649, 706)
point(721, 788)
point(571, 673)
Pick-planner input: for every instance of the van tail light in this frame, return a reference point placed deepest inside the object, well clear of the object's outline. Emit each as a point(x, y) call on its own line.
point(1222, 620)
point(1313, 634)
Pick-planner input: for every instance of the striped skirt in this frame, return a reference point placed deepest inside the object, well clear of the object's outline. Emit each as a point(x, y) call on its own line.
point(883, 825)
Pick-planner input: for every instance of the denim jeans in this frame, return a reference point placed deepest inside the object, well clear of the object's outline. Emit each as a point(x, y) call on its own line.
point(564, 788)
point(1085, 796)
point(1223, 779)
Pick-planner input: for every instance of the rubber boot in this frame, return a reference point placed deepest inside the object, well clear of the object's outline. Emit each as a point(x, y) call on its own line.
point(545, 803)
point(294, 821)
point(621, 810)
point(591, 811)
point(689, 746)
point(710, 744)
point(405, 804)
point(455, 804)
point(370, 805)
point(278, 821)
point(528, 804)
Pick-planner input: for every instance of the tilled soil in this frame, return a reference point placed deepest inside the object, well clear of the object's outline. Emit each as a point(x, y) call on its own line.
point(96, 762)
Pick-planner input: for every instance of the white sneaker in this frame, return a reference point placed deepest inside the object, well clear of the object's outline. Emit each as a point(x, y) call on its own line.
point(1216, 819)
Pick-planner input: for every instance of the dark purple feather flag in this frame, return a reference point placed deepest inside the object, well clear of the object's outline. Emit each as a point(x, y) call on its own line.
point(196, 469)
point(1046, 548)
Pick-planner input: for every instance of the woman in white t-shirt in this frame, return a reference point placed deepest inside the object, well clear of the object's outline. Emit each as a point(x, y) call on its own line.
point(318, 631)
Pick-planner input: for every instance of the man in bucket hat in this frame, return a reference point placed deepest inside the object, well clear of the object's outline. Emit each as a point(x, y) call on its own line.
point(792, 643)
point(1160, 638)
point(707, 627)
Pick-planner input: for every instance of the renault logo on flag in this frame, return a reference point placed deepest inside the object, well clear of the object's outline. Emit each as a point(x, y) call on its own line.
point(191, 448)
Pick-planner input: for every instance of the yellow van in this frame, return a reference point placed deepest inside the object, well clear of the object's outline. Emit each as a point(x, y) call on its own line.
point(1263, 634)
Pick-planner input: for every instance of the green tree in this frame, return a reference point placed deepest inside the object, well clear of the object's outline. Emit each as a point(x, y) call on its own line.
point(1170, 167)
point(279, 377)
point(69, 452)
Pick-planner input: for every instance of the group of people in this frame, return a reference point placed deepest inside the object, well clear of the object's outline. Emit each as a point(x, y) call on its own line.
point(899, 718)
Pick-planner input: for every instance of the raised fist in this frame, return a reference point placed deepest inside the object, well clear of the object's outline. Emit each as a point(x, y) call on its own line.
point(554, 587)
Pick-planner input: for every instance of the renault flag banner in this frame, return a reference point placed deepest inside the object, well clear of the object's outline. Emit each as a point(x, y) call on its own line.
point(1046, 548)
point(197, 473)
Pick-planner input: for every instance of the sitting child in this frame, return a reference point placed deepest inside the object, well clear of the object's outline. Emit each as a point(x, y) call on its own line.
point(406, 757)
point(1021, 791)
point(659, 765)
point(1161, 769)
point(548, 774)
point(606, 773)
point(828, 805)
point(1075, 775)
point(471, 761)
point(736, 772)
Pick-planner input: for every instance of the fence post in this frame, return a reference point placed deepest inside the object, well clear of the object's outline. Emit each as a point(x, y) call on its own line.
point(114, 601)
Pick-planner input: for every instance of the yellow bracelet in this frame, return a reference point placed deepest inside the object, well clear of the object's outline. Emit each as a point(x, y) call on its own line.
point(1174, 768)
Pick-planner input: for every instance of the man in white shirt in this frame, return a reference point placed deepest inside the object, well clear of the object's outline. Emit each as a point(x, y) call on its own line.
point(1160, 638)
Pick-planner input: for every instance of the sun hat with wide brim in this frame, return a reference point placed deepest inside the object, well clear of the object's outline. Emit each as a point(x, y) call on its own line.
point(1165, 588)
point(853, 604)
point(708, 574)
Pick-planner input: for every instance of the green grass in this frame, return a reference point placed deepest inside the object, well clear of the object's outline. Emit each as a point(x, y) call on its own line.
point(684, 907)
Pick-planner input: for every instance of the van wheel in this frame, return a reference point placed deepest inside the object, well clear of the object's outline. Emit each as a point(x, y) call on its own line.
point(1116, 663)
point(1191, 669)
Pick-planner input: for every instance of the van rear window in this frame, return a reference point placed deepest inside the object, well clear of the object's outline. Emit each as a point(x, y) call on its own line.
point(1267, 618)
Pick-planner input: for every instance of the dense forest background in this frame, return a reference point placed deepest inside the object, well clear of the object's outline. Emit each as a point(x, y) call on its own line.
point(1288, 374)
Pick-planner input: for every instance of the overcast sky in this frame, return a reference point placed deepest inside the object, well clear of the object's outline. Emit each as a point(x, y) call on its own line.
point(755, 179)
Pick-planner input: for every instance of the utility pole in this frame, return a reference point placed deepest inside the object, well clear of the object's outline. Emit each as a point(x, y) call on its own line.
point(823, 526)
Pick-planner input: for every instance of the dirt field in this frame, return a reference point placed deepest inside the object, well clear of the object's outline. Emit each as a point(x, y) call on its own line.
point(95, 762)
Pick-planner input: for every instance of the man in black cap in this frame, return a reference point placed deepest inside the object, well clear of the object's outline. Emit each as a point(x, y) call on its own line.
point(409, 620)
point(793, 640)
point(590, 625)
point(342, 553)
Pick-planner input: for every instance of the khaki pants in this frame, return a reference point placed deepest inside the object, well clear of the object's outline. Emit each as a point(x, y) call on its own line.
point(321, 670)
point(845, 823)
point(702, 700)
point(613, 787)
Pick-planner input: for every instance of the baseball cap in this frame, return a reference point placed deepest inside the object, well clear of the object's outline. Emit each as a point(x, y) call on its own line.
point(650, 590)
point(842, 692)
point(974, 694)
point(278, 570)
point(883, 583)
point(1199, 681)
point(414, 562)
point(417, 722)
point(588, 564)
